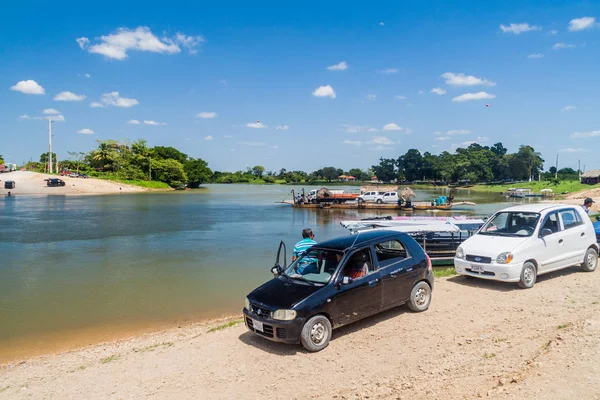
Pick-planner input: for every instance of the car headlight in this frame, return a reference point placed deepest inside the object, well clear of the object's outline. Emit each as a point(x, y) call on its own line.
point(247, 304)
point(284, 315)
point(504, 258)
point(460, 253)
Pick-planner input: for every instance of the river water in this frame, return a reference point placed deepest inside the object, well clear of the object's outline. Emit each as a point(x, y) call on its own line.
point(113, 263)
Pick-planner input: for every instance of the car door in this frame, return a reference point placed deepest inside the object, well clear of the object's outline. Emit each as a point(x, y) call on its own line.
point(397, 272)
point(574, 243)
point(550, 252)
point(362, 297)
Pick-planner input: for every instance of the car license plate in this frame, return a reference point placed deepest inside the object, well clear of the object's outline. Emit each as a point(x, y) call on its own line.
point(258, 326)
point(476, 268)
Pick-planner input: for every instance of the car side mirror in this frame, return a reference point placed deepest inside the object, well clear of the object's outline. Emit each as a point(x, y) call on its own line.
point(347, 280)
point(277, 270)
point(546, 232)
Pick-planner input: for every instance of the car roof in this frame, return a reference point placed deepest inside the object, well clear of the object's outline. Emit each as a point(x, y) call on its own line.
point(360, 239)
point(538, 207)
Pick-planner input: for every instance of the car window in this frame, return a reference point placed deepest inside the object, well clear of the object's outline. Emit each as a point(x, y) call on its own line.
point(316, 265)
point(359, 264)
point(551, 222)
point(514, 223)
point(390, 252)
point(570, 218)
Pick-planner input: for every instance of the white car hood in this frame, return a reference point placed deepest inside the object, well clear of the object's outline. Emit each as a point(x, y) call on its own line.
point(491, 246)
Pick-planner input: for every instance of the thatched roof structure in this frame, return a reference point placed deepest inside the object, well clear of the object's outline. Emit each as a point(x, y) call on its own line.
point(593, 173)
point(407, 193)
point(378, 188)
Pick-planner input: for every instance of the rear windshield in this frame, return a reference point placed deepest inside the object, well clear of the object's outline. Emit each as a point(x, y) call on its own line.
point(514, 223)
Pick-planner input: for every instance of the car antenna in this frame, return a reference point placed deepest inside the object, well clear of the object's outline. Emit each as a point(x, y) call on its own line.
point(357, 235)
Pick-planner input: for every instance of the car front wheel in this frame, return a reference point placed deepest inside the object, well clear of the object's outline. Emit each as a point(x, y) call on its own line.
point(590, 261)
point(528, 276)
point(316, 333)
point(420, 297)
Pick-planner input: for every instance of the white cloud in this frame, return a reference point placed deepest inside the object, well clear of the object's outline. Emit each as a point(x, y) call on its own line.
point(118, 44)
point(28, 87)
point(338, 67)
point(421, 92)
point(568, 108)
point(437, 133)
point(535, 55)
point(357, 128)
point(441, 138)
point(381, 24)
point(68, 96)
point(85, 131)
point(579, 24)
point(206, 115)
point(83, 42)
point(553, 32)
point(256, 125)
point(382, 140)
point(257, 144)
point(571, 150)
point(353, 142)
point(57, 118)
point(392, 127)
point(224, 82)
point(389, 71)
point(558, 46)
point(51, 111)
point(209, 137)
point(324, 91)
point(150, 122)
point(88, 76)
point(282, 127)
point(133, 122)
point(458, 132)
point(371, 97)
point(400, 97)
point(517, 29)
point(227, 136)
point(438, 91)
point(113, 99)
point(275, 147)
point(473, 96)
point(465, 80)
point(96, 104)
point(24, 117)
point(585, 134)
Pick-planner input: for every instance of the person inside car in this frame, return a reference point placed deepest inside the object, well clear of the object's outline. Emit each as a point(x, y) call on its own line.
point(358, 266)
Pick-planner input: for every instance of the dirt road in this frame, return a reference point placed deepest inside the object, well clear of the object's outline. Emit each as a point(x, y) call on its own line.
point(32, 183)
point(478, 339)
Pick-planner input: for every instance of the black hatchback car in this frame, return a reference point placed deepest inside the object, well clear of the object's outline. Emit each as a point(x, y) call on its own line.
point(338, 282)
point(53, 182)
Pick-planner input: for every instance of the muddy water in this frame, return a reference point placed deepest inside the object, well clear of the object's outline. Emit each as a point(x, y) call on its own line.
point(76, 269)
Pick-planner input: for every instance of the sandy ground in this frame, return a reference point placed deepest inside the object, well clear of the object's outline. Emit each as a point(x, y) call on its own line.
point(478, 339)
point(32, 183)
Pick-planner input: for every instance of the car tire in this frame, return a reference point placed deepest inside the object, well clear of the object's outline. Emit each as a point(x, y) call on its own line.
point(379, 201)
point(590, 261)
point(528, 276)
point(360, 201)
point(316, 333)
point(420, 297)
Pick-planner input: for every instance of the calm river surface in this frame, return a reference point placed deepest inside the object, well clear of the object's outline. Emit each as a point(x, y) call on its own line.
point(95, 263)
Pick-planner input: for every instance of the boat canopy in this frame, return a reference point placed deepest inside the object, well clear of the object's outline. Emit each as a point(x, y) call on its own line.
point(447, 225)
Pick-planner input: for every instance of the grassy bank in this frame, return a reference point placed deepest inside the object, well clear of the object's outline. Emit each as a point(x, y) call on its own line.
point(564, 186)
point(144, 184)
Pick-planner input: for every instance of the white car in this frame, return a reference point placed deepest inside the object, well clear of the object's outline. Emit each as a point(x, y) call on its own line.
point(368, 197)
point(519, 243)
point(389, 197)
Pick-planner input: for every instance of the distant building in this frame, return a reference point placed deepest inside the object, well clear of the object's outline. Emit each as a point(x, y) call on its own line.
point(374, 179)
point(591, 177)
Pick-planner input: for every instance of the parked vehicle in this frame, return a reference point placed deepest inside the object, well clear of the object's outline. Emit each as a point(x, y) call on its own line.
point(74, 175)
point(65, 172)
point(53, 182)
point(519, 243)
point(325, 195)
point(9, 184)
point(338, 282)
point(389, 197)
point(369, 197)
point(84, 176)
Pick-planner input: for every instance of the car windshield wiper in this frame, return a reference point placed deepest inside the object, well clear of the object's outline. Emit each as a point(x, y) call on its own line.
point(301, 278)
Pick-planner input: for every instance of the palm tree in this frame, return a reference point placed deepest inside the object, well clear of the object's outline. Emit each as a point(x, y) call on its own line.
point(104, 153)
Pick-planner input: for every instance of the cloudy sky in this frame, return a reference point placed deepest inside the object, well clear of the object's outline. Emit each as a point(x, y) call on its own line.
point(302, 87)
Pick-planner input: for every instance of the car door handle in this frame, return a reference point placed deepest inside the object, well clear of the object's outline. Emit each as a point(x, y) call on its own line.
point(373, 282)
point(395, 273)
point(560, 241)
point(582, 234)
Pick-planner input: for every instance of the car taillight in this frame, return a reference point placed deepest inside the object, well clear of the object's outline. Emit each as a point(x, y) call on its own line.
point(429, 266)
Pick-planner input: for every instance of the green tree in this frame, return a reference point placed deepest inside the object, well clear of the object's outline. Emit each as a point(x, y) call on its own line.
point(197, 172)
point(44, 158)
point(169, 171)
point(411, 165)
point(1, 159)
point(171, 153)
point(330, 173)
point(258, 171)
point(77, 157)
point(385, 170)
point(106, 153)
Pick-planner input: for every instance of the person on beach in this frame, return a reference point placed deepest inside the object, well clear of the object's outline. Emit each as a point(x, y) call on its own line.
point(303, 245)
point(587, 204)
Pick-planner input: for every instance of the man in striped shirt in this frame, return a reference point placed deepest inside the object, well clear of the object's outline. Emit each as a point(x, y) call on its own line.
point(301, 247)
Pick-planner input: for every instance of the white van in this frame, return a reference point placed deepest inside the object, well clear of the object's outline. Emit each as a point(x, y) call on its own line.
point(519, 243)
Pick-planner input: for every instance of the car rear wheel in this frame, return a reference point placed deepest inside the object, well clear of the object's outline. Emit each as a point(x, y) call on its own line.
point(379, 201)
point(316, 333)
point(420, 297)
point(528, 276)
point(360, 201)
point(590, 261)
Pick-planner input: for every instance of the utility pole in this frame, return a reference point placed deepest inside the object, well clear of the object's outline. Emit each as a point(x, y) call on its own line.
point(49, 145)
point(579, 170)
point(150, 168)
point(556, 172)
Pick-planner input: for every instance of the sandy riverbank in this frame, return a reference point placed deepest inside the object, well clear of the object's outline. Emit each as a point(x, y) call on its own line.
point(32, 183)
point(478, 339)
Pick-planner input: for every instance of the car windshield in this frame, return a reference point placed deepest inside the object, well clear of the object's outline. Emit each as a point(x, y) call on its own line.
point(315, 266)
point(514, 223)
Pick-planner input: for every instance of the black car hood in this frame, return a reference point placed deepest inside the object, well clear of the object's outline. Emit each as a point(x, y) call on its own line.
point(281, 293)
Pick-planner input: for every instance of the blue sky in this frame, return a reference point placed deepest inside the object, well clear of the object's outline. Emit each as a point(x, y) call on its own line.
point(534, 63)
